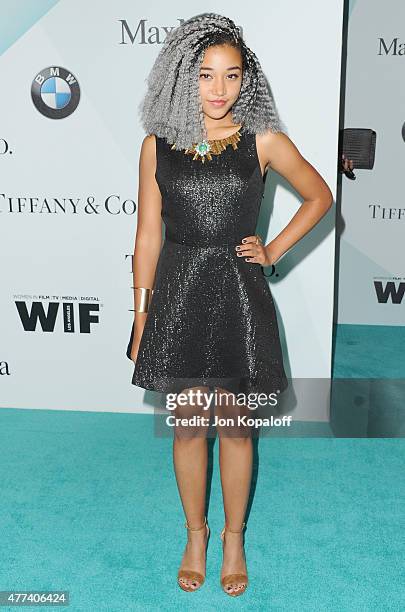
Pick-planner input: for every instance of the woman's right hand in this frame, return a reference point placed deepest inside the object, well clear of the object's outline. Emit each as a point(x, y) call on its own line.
point(134, 350)
point(139, 326)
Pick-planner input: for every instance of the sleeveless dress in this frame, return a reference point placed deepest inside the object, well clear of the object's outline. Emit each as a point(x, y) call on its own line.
point(211, 320)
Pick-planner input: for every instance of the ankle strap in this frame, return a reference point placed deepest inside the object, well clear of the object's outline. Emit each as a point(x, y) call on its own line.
point(233, 531)
point(196, 528)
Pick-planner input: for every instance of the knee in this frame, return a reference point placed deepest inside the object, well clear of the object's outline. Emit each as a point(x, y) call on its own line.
point(235, 439)
point(191, 402)
point(228, 418)
point(191, 418)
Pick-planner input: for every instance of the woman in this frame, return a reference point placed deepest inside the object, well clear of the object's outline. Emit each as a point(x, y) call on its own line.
point(204, 314)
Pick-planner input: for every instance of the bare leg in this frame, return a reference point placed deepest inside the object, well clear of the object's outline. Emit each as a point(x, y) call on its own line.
point(190, 459)
point(236, 462)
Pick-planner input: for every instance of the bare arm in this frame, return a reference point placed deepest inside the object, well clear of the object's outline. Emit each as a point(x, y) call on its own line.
point(278, 152)
point(148, 239)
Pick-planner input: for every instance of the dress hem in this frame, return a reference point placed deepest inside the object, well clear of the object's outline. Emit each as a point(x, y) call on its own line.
point(236, 386)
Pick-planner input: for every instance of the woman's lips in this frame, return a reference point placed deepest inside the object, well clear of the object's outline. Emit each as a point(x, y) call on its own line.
point(218, 103)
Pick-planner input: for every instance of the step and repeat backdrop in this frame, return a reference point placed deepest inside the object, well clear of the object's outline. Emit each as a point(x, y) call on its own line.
point(73, 74)
point(372, 275)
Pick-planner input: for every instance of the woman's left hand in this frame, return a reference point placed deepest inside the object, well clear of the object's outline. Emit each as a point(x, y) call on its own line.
point(254, 251)
point(347, 164)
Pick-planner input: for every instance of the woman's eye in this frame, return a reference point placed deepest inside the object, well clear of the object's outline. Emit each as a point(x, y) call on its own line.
point(229, 75)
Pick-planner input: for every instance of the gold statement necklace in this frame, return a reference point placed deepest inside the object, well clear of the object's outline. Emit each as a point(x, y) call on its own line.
point(206, 148)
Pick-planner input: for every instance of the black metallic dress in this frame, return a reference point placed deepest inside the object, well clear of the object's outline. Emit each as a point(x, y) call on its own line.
point(211, 321)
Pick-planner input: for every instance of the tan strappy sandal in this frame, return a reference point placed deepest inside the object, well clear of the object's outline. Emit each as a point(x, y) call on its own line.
point(229, 579)
point(192, 574)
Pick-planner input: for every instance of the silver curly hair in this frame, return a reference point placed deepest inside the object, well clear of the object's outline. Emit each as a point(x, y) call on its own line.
point(171, 107)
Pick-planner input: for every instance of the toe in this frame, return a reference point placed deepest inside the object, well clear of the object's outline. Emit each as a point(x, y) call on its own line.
point(235, 588)
point(189, 583)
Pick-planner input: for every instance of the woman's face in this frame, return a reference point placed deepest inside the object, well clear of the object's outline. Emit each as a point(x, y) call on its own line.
point(220, 79)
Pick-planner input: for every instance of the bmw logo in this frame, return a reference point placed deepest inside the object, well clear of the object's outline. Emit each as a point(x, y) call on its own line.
point(55, 92)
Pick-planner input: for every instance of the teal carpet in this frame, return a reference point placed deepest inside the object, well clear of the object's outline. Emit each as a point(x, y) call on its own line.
point(369, 351)
point(90, 505)
point(368, 387)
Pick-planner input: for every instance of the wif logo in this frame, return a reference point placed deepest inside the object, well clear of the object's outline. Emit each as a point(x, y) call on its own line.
point(75, 318)
point(389, 292)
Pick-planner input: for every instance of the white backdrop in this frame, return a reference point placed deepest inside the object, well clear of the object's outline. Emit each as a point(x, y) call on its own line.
point(371, 278)
point(66, 255)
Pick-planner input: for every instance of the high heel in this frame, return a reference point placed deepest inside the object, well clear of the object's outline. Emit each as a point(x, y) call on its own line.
point(192, 574)
point(233, 579)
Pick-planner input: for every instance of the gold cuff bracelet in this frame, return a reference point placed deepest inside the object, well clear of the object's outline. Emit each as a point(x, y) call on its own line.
point(144, 300)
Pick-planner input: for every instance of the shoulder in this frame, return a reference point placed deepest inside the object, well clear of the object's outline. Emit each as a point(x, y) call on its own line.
point(272, 140)
point(273, 145)
point(149, 143)
point(148, 147)
point(148, 153)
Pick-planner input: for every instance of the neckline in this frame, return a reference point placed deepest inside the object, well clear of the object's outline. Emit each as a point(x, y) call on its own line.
point(226, 137)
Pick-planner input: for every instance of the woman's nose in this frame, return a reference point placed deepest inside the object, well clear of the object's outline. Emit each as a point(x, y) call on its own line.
point(218, 88)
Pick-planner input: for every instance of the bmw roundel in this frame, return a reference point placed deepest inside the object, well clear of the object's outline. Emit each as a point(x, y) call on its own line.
point(55, 92)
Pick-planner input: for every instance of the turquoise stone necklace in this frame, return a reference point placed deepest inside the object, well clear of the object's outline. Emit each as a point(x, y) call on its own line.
point(206, 148)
